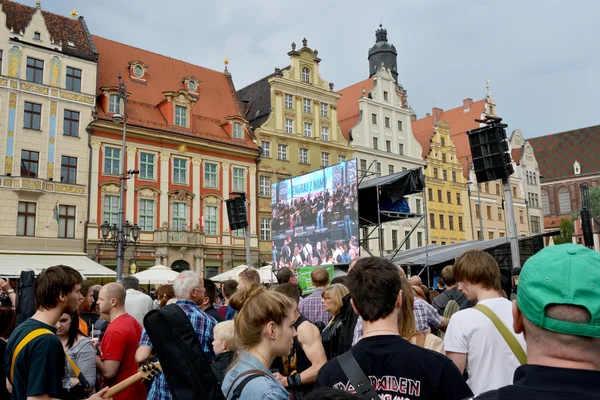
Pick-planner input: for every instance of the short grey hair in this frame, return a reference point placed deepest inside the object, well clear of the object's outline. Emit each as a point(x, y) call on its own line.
point(184, 283)
point(131, 282)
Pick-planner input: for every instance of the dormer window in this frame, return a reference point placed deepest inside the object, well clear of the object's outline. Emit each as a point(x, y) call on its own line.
point(181, 116)
point(305, 75)
point(137, 70)
point(71, 43)
point(37, 36)
point(191, 84)
point(238, 131)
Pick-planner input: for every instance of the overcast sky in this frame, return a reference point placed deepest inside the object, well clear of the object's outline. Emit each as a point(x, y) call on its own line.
point(543, 56)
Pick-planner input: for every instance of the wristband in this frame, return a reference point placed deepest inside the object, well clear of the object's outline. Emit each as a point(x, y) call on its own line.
point(294, 380)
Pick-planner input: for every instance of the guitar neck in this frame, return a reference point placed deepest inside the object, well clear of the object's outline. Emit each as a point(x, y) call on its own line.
point(119, 387)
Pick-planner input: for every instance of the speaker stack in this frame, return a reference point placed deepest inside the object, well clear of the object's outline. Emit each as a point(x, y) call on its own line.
point(236, 213)
point(490, 152)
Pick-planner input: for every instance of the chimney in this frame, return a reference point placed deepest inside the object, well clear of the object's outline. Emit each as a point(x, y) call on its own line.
point(467, 103)
point(413, 117)
point(437, 113)
point(427, 115)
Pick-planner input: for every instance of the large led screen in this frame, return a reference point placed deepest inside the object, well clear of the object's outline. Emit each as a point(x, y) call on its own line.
point(315, 218)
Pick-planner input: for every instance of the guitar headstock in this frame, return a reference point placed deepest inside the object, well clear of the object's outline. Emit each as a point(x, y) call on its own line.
point(149, 370)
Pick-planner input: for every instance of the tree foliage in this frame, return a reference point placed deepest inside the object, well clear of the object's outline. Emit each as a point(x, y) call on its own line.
point(566, 231)
point(595, 201)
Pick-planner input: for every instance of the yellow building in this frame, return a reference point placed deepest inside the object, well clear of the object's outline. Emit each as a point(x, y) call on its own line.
point(446, 187)
point(293, 112)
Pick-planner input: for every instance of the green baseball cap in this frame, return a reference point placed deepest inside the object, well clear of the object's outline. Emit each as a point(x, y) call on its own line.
point(564, 274)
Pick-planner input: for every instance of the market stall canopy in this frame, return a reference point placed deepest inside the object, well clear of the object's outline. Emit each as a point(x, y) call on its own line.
point(392, 188)
point(157, 275)
point(267, 275)
point(13, 262)
point(231, 274)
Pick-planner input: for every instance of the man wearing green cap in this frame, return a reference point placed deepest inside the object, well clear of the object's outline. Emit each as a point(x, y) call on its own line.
point(558, 310)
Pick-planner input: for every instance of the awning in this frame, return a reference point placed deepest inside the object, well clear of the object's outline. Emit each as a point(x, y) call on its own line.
point(13, 262)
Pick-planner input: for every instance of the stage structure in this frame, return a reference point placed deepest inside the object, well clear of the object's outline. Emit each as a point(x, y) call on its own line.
point(382, 199)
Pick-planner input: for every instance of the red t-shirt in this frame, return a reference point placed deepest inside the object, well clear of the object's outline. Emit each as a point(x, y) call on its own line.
point(119, 344)
point(222, 310)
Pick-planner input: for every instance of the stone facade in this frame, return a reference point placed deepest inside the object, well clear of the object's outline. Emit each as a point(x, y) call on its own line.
point(47, 87)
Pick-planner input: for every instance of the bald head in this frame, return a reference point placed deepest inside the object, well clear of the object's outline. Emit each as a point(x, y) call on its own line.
point(415, 281)
point(111, 297)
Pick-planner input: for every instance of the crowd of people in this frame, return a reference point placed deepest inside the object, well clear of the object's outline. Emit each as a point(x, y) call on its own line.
point(373, 333)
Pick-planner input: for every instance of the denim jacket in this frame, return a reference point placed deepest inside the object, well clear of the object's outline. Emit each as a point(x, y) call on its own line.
point(261, 388)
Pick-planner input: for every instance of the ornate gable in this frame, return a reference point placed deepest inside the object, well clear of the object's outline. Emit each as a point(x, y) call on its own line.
point(137, 71)
point(191, 83)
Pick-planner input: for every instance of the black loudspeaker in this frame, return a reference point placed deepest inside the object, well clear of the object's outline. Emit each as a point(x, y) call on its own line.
point(586, 227)
point(491, 157)
point(236, 212)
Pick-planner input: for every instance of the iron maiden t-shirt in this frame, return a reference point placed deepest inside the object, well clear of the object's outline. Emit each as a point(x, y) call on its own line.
point(399, 370)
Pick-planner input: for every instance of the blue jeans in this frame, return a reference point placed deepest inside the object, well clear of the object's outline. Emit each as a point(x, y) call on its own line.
point(320, 219)
point(347, 226)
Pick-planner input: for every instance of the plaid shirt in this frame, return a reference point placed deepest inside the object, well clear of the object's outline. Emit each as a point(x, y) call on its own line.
point(203, 325)
point(425, 316)
point(312, 308)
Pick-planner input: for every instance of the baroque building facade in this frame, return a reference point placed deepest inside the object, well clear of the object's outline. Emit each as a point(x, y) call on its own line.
point(293, 113)
point(48, 68)
point(193, 149)
point(375, 118)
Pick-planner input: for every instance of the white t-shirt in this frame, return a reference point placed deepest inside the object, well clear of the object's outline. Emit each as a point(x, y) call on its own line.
point(137, 304)
point(491, 364)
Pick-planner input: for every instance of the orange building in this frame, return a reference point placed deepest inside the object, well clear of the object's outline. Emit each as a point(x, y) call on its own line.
point(192, 147)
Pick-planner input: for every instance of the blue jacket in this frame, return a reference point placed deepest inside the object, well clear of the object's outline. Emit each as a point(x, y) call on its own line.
point(261, 388)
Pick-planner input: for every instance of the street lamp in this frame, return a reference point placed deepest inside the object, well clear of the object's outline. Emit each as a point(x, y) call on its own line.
point(123, 234)
point(469, 183)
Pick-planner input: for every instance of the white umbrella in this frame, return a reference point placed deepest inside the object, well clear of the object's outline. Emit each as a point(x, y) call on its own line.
point(157, 275)
point(231, 274)
point(266, 274)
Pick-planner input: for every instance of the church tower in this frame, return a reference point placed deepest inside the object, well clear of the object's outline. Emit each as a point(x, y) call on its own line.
point(383, 52)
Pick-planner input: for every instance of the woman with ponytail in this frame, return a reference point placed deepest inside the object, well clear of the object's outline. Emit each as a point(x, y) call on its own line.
point(165, 294)
point(264, 330)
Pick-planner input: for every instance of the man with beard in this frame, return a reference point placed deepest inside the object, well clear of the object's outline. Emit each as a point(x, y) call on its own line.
point(35, 359)
point(86, 317)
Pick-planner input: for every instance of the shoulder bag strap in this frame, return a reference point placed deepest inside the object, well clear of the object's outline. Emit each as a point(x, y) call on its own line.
point(253, 373)
point(510, 339)
point(82, 379)
point(358, 379)
point(28, 338)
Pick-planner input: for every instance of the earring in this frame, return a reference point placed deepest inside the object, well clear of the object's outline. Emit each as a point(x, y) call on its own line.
point(273, 337)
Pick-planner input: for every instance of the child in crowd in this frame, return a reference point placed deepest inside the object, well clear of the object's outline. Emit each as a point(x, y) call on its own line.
point(224, 348)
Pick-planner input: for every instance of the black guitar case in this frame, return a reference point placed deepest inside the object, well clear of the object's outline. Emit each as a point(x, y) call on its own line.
point(25, 302)
point(182, 359)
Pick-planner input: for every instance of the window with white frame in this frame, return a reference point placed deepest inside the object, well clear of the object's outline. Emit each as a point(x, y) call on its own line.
point(146, 220)
point(112, 160)
point(400, 148)
point(210, 175)
point(239, 179)
point(387, 122)
point(282, 151)
point(264, 185)
point(210, 220)
point(179, 219)
point(388, 146)
point(324, 159)
point(265, 229)
point(181, 116)
point(305, 75)
point(325, 133)
point(147, 161)
point(239, 232)
point(179, 170)
point(324, 110)
point(289, 101)
point(374, 119)
point(289, 125)
point(399, 125)
point(303, 156)
point(238, 131)
point(266, 149)
point(390, 169)
point(307, 129)
point(111, 209)
point(341, 159)
point(307, 107)
point(114, 103)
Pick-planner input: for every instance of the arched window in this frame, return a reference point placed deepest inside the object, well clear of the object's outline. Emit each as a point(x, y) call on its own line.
point(564, 200)
point(545, 203)
point(305, 75)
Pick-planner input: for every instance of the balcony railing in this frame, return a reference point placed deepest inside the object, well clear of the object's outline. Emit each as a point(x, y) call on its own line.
point(40, 185)
point(178, 237)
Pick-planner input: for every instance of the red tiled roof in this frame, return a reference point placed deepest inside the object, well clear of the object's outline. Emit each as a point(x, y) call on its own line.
point(62, 29)
point(347, 106)
point(516, 154)
point(556, 153)
point(216, 95)
point(460, 120)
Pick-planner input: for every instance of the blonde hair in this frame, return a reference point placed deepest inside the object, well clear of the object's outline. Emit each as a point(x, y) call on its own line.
point(256, 307)
point(336, 292)
point(225, 332)
point(406, 323)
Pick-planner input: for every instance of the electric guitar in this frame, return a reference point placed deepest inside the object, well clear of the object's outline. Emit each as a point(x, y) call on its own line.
point(146, 371)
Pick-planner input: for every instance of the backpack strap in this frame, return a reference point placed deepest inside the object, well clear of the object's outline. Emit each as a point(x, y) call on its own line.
point(358, 379)
point(250, 375)
point(510, 339)
point(28, 338)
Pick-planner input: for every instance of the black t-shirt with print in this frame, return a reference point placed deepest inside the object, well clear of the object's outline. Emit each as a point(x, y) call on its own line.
point(40, 367)
point(399, 370)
